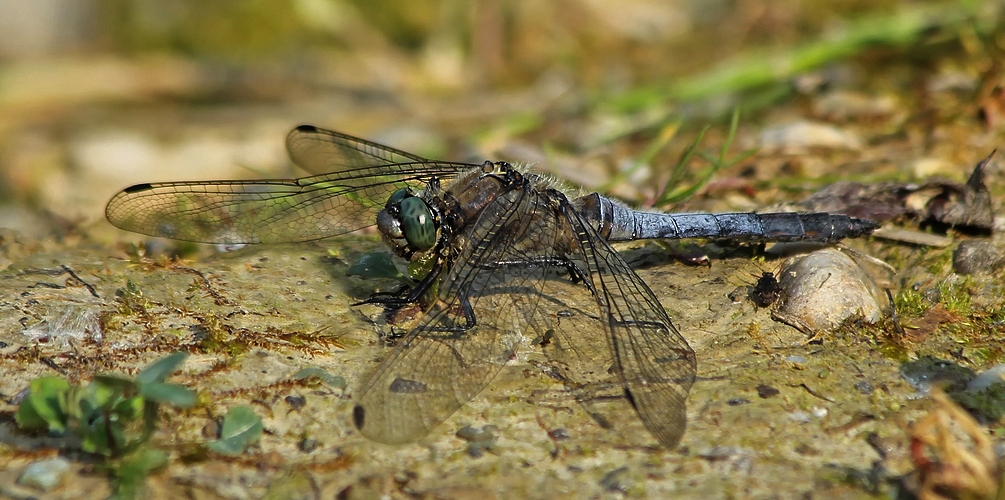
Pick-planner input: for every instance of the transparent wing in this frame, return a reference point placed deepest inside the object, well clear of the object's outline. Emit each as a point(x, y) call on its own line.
point(654, 365)
point(511, 282)
point(284, 210)
point(320, 151)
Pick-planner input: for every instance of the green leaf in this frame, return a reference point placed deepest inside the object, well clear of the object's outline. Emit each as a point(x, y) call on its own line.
point(325, 377)
point(48, 387)
point(172, 394)
point(43, 408)
point(377, 265)
point(92, 442)
point(230, 446)
point(103, 436)
point(677, 174)
point(106, 392)
point(28, 419)
point(87, 408)
point(78, 404)
point(159, 370)
point(129, 408)
point(111, 383)
point(241, 428)
point(150, 412)
point(241, 420)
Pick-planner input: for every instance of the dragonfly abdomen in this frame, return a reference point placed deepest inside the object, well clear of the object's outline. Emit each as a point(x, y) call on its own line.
point(819, 227)
point(619, 223)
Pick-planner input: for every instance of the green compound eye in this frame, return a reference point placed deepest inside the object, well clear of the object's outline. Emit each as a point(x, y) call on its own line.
point(398, 195)
point(417, 223)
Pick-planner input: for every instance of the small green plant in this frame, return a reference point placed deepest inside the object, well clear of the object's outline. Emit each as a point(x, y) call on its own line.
point(241, 428)
point(113, 417)
point(955, 296)
point(910, 303)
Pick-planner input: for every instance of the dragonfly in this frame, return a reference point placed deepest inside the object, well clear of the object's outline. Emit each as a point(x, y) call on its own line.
point(515, 261)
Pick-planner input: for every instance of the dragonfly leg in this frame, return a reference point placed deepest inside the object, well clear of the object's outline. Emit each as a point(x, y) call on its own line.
point(470, 320)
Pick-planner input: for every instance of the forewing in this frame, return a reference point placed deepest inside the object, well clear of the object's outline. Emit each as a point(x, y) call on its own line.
point(441, 364)
point(361, 176)
point(653, 363)
point(267, 211)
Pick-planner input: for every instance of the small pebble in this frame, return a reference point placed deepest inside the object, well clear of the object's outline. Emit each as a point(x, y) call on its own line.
point(308, 445)
point(826, 288)
point(559, 434)
point(616, 480)
point(864, 387)
point(843, 105)
point(721, 453)
point(987, 378)
point(45, 474)
point(977, 257)
point(927, 370)
point(766, 391)
point(802, 136)
point(737, 459)
point(296, 402)
point(476, 435)
point(800, 416)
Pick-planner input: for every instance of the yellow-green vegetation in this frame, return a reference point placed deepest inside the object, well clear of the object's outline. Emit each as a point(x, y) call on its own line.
point(131, 300)
point(674, 191)
point(910, 303)
point(216, 338)
point(955, 295)
point(984, 356)
point(938, 262)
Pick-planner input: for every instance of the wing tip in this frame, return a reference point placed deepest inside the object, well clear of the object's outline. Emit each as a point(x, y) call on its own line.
point(136, 188)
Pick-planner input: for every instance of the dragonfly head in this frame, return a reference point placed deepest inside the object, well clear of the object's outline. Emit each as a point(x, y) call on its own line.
point(407, 224)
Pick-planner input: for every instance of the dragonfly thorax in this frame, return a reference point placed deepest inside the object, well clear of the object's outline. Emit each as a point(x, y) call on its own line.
point(407, 224)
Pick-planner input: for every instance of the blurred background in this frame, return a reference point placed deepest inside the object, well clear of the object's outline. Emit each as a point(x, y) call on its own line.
point(99, 94)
